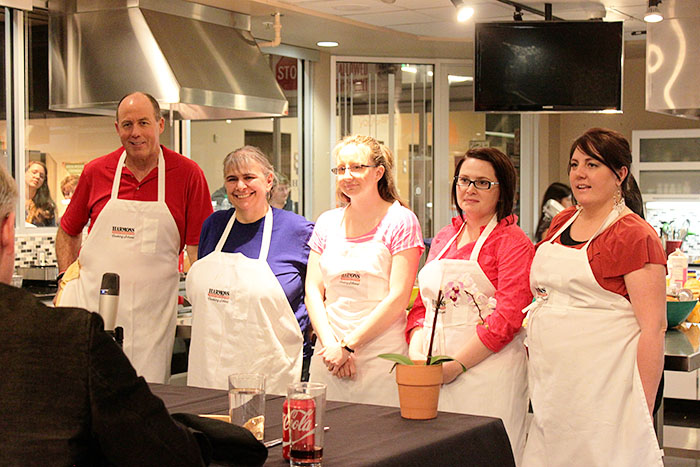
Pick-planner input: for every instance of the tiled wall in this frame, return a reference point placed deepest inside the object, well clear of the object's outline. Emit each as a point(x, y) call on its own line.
point(30, 248)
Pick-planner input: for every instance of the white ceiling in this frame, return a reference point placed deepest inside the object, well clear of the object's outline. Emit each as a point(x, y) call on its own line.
point(436, 18)
point(411, 28)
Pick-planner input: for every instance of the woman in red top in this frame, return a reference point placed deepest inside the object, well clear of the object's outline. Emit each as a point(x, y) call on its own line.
point(596, 331)
point(481, 262)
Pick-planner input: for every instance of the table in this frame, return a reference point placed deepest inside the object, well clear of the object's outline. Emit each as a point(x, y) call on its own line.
point(362, 434)
point(681, 354)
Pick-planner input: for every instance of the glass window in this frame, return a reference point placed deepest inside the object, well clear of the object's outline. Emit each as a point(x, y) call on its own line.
point(393, 103)
point(57, 144)
point(278, 138)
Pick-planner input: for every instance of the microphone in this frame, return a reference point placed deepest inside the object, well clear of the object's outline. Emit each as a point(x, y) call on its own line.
point(109, 299)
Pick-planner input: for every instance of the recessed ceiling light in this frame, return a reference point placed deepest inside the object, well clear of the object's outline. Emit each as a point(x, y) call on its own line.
point(354, 7)
point(327, 44)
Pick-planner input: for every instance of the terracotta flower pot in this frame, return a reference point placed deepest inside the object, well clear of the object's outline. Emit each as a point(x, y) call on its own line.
point(419, 390)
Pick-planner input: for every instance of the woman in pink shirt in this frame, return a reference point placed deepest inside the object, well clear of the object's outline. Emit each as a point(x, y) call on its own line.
point(361, 270)
point(481, 263)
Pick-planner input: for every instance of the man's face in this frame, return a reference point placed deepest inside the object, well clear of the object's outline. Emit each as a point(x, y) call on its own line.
point(138, 129)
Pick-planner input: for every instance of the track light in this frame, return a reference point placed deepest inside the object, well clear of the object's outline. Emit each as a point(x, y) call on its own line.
point(653, 14)
point(464, 12)
point(518, 14)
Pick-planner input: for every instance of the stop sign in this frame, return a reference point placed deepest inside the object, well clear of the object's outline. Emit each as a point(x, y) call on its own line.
point(286, 73)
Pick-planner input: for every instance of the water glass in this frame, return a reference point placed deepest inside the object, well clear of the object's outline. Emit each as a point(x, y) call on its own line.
point(246, 402)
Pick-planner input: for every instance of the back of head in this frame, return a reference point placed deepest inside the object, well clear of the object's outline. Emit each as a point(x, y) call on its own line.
point(379, 155)
point(555, 191)
point(8, 193)
point(613, 150)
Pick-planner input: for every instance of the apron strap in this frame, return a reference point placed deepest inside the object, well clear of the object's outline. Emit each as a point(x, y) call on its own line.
point(267, 234)
point(606, 223)
point(479, 242)
point(161, 176)
point(482, 238)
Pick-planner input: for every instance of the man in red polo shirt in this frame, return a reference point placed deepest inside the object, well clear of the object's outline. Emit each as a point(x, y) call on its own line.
point(144, 203)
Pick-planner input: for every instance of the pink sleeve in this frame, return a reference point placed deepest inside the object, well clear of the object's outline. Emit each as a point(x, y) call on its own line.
point(317, 242)
point(514, 257)
point(405, 232)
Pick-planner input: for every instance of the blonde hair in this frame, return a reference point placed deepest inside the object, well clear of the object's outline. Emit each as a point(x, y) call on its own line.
point(380, 156)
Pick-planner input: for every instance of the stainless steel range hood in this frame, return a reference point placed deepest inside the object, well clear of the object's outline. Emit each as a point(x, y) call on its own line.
point(199, 61)
point(673, 60)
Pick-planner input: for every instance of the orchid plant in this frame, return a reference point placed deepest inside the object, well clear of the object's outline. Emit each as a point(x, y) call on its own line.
point(455, 291)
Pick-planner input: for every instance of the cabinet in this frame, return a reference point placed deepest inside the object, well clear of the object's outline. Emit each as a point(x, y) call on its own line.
point(666, 164)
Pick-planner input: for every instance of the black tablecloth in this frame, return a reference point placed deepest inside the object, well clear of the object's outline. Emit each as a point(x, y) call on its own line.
point(362, 434)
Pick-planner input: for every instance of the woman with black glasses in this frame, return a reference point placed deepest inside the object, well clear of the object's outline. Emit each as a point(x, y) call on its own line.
point(480, 263)
point(362, 266)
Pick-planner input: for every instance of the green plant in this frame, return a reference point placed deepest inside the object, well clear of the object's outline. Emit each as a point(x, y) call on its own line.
point(431, 359)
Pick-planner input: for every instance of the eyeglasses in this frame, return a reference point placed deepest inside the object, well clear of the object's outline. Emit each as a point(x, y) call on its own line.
point(354, 169)
point(464, 182)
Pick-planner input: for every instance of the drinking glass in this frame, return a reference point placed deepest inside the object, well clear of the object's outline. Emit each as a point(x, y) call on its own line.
point(306, 405)
point(246, 402)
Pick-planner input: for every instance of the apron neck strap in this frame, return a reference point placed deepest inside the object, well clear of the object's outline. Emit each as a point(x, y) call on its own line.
point(606, 223)
point(161, 176)
point(479, 242)
point(267, 234)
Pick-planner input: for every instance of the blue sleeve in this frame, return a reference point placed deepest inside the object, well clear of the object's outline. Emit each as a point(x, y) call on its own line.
point(212, 228)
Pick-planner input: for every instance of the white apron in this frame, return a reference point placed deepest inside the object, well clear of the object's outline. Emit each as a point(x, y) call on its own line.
point(140, 241)
point(356, 278)
point(241, 319)
point(497, 386)
point(586, 392)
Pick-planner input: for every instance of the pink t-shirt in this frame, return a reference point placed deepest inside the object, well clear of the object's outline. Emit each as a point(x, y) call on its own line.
point(399, 230)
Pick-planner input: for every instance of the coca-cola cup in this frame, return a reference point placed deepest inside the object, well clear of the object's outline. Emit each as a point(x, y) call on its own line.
point(306, 405)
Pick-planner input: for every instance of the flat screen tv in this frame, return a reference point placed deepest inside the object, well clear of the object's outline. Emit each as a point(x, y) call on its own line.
point(548, 66)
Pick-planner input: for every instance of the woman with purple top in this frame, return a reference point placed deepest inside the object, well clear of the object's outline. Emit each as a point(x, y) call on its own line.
point(247, 288)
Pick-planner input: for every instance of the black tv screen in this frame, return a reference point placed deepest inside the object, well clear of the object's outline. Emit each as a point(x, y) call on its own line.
point(548, 66)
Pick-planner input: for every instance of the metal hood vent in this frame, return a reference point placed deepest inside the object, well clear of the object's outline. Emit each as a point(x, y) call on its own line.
point(673, 60)
point(200, 62)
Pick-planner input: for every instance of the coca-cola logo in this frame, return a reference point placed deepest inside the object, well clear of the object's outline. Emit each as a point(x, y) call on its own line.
point(285, 421)
point(301, 420)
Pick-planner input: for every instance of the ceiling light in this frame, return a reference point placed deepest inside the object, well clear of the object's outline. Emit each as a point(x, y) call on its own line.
point(653, 14)
point(327, 44)
point(409, 69)
point(518, 14)
point(458, 79)
point(464, 12)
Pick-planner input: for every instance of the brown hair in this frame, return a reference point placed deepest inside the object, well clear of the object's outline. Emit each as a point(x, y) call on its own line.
point(612, 150)
point(506, 176)
point(41, 210)
point(380, 156)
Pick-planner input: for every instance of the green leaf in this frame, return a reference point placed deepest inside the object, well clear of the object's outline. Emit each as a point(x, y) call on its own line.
point(397, 358)
point(437, 359)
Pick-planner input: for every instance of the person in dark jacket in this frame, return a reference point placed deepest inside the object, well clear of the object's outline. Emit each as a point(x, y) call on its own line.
point(69, 394)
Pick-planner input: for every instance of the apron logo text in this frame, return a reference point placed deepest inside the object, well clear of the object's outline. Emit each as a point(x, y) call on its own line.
point(123, 232)
point(220, 296)
point(350, 278)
